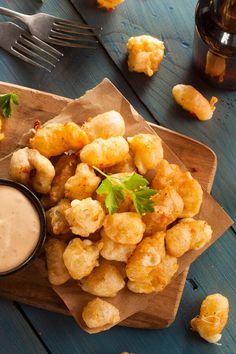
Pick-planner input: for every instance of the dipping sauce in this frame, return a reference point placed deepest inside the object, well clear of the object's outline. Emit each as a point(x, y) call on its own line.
point(19, 228)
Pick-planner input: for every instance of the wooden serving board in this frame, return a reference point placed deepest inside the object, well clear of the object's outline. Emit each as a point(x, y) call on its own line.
point(27, 286)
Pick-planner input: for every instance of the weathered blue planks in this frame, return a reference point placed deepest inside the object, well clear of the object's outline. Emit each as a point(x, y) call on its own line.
point(16, 335)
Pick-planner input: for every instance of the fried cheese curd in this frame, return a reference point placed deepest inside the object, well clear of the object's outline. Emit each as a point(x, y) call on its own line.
point(105, 280)
point(115, 251)
point(83, 184)
point(147, 150)
point(147, 255)
point(55, 138)
point(47, 202)
point(124, 228)
point(98, 313)
point(188, 234)
point(185, 185)
point(85, 216)
point(104, 153)
point(168, 206)
point(80, 257)
point(212, 319)
point(125, 166)
point(57, 272)
point(145, 54)
point(64, 168)
point(158, 278)
point(109, 4)
point(29, 167)
point(56, 220)
point(193, 101)
point(105, 126)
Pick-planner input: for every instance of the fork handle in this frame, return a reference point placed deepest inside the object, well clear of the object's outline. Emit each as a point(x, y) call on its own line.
point(11, 13)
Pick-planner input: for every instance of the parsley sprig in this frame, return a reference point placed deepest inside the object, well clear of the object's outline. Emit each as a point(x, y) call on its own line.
point(6, 102)
point(135, 185)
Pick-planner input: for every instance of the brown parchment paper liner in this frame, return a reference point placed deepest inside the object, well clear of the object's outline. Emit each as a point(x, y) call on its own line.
point(102, 98)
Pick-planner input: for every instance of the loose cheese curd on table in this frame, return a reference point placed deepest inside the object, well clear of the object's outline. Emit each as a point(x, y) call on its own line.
point(124, 228)
point(212, 319)
point(105, 126)
point(83, 184)
point(64, 168)
point(55, 138)
point(115, 251)
point(158, 278)
point(186, 186)
point(147, 255)
point(98, 313)
point(25, 160)
point(19, 228)
point(80, 257)
point(145, 54)
point(57, 272)
point(193, 101)
point(105, 280)
point(104, 153)
point(56, 220)
point(147, 150)
point(85, 216)
point(168, 206)
point(188, 234)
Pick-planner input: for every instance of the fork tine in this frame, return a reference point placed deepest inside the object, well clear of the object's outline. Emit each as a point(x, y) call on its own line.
point(63, 36)
point(64, 29)
point(30, 45)
point(69, 23)
point(54, 52)
point(69, 44)
point(30, 53)
point(28, 60)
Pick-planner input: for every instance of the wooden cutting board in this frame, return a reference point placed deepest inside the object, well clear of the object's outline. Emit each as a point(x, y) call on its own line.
point(27, 286)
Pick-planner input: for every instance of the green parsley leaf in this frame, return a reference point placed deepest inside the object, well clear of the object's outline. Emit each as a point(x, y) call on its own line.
point(6, 102)
point(135, 185)
point(114, 197)
point(105, 187)
point(142, 202)
point(134, 181)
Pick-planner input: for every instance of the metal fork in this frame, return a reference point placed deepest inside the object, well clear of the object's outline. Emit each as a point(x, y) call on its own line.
point(27, 47)
point(55, 30)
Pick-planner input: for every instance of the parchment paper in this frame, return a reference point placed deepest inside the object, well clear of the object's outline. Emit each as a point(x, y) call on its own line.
point(102, 98)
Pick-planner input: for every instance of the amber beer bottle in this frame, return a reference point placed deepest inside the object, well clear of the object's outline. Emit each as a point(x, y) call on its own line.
point(214, 47)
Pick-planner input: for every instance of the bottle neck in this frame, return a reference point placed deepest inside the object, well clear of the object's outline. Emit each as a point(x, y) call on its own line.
point(224, 12)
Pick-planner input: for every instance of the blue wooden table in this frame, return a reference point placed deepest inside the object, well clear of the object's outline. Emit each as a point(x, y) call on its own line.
point(24, 329)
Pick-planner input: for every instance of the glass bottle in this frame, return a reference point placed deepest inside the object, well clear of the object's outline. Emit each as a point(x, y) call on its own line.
point(214, 47)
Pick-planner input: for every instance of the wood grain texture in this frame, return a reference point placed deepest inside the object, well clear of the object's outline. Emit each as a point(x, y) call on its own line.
point(174, 23)
point(24, 286)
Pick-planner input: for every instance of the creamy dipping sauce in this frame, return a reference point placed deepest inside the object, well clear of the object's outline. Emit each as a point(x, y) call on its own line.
point(19, 228)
